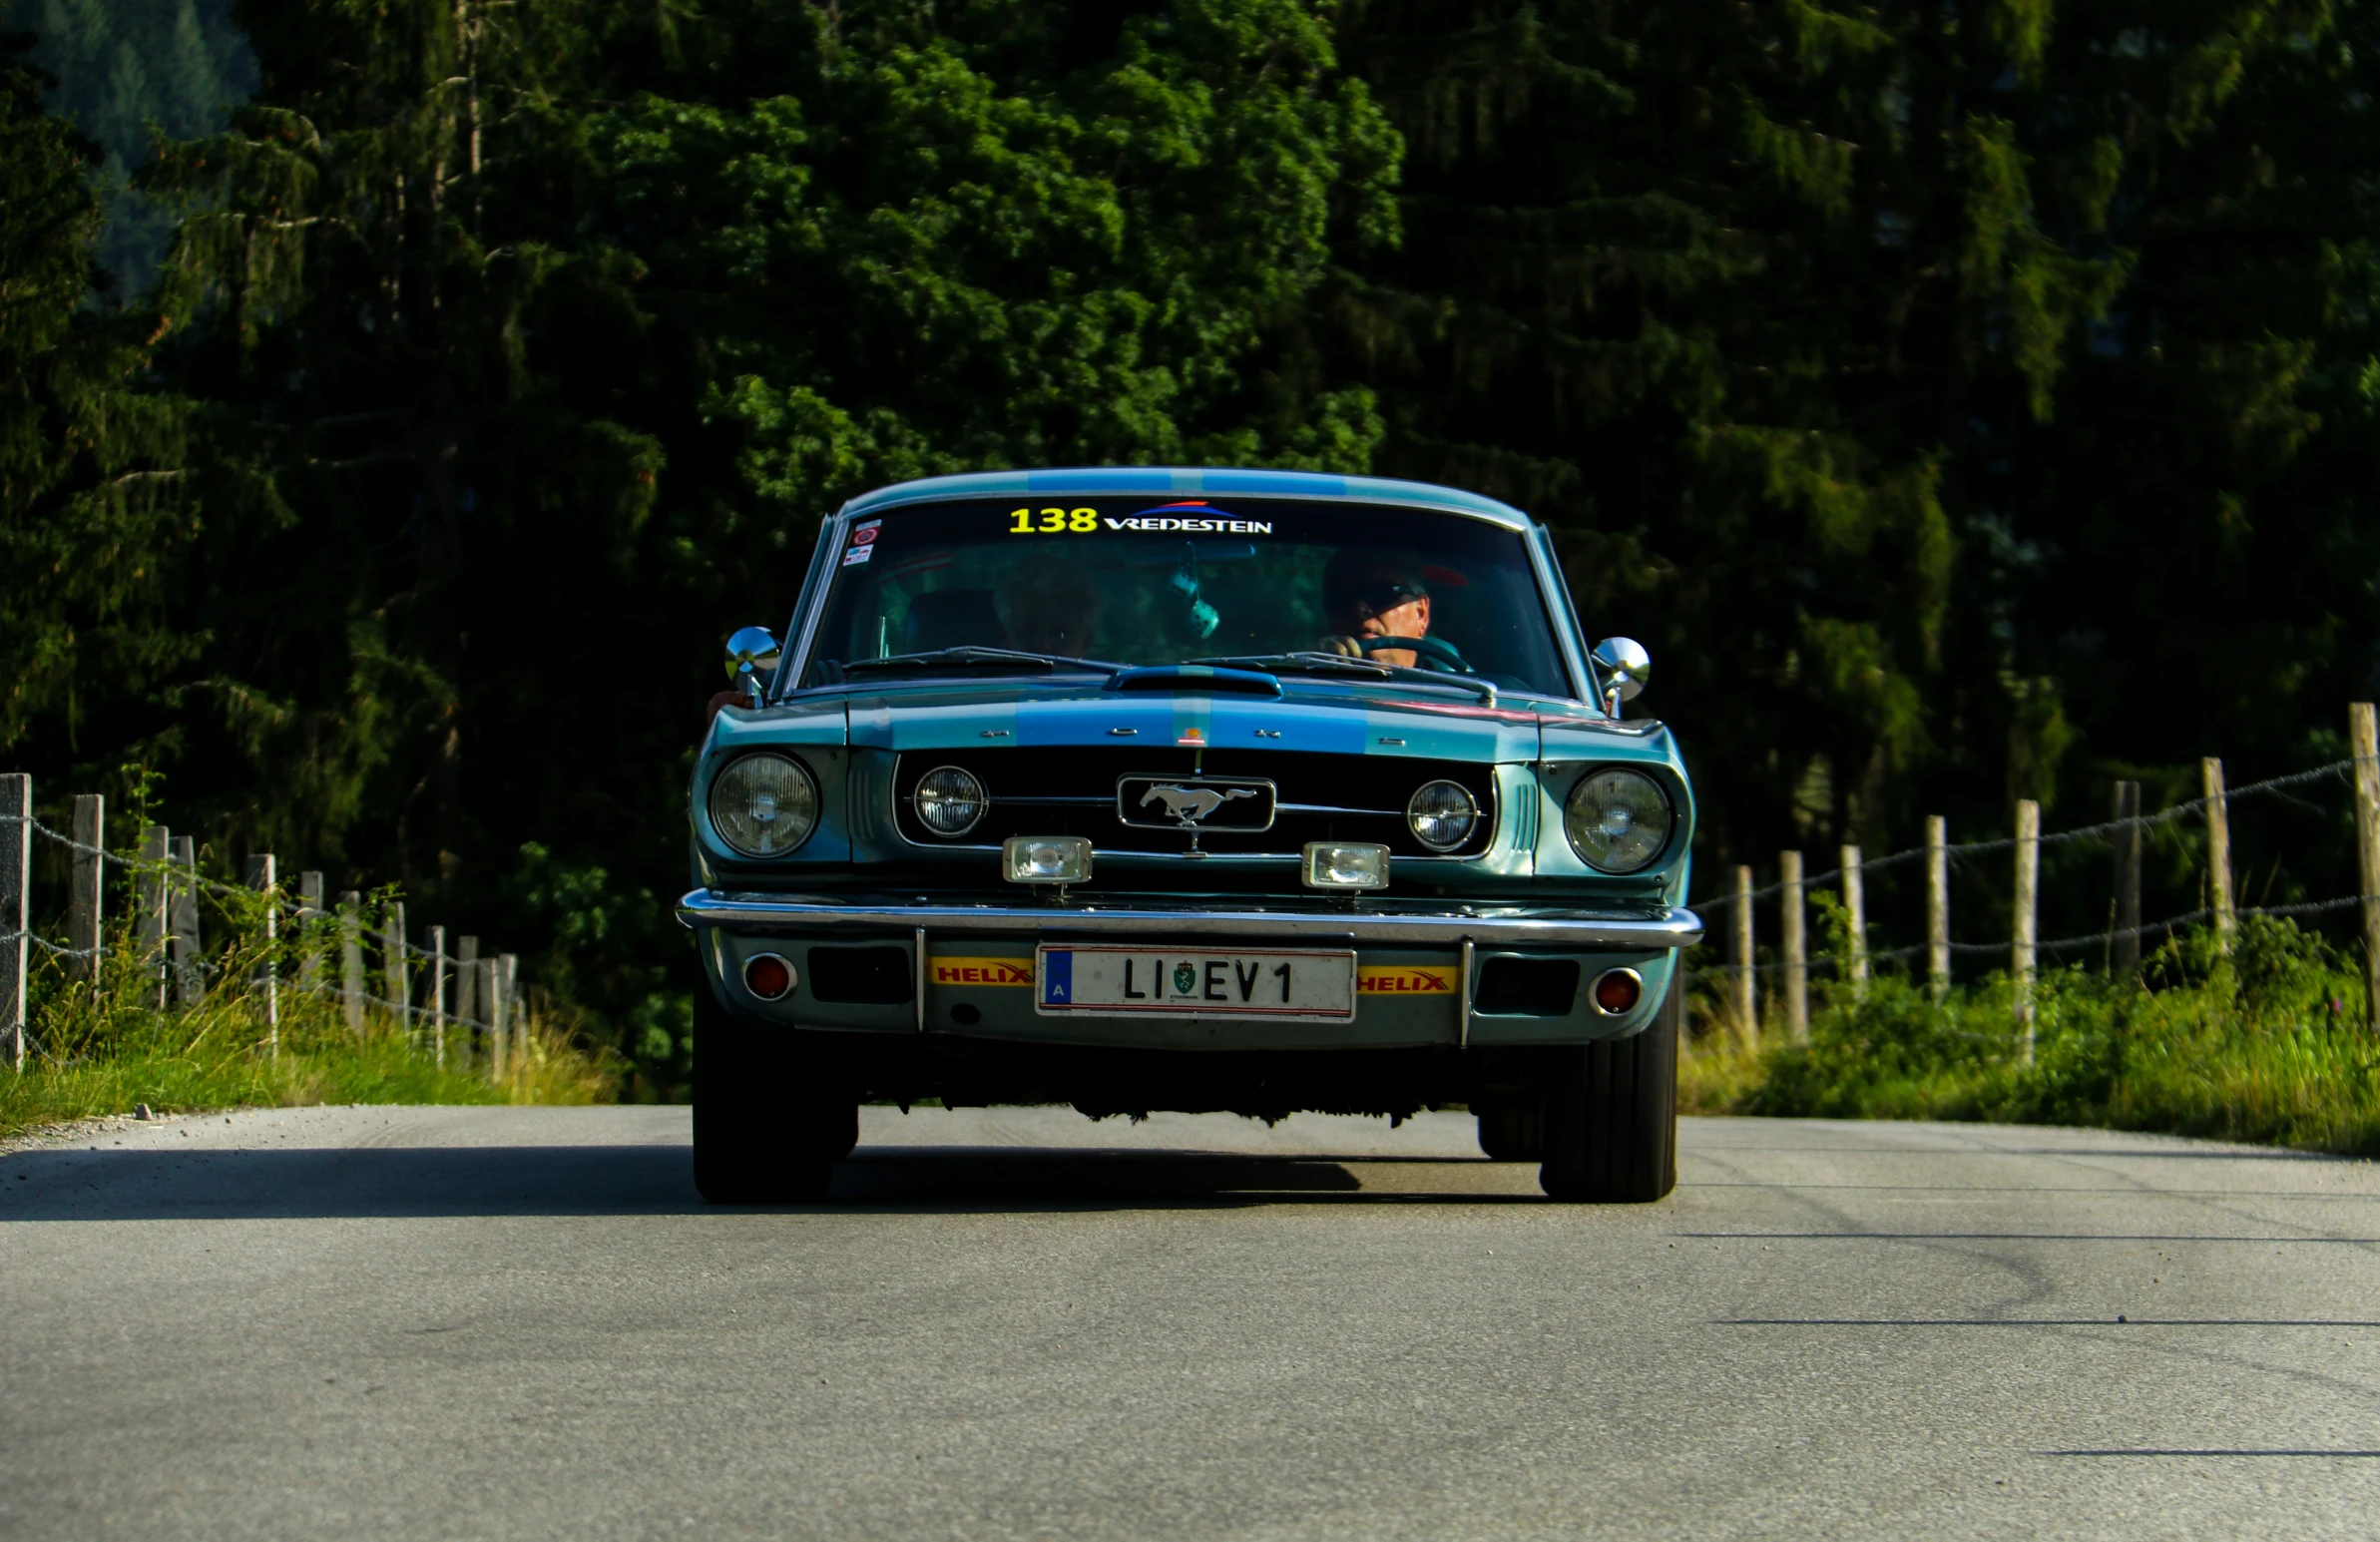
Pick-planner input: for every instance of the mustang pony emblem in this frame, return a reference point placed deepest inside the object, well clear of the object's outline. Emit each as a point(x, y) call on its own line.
point(1190, 804)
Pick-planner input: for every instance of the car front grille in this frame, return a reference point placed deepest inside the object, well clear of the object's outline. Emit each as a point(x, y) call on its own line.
point(1072, 792)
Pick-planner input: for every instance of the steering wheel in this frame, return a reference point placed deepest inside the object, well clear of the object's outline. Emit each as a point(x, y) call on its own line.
point(1436, 651)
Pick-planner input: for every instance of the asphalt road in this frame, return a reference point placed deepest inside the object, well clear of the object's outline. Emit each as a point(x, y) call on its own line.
point(444, 1322)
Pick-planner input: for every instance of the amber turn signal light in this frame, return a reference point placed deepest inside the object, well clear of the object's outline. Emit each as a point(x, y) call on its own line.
point(1617, 991)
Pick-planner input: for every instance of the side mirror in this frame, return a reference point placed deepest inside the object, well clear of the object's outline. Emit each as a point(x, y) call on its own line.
point(1622, 668)
point(752, 654)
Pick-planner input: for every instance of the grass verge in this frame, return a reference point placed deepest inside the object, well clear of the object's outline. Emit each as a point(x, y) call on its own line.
point(2264, 1044)
point(107, 1048)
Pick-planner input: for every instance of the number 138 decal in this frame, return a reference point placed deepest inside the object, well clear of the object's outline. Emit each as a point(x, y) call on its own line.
point(1051, 521)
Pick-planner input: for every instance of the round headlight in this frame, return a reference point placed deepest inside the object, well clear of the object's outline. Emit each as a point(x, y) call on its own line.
point(1441, 814)
point(950, 801)
point(765, 804)
point(1618, 820)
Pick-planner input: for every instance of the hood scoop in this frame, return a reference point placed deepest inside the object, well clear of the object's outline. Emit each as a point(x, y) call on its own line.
point(1196, 679)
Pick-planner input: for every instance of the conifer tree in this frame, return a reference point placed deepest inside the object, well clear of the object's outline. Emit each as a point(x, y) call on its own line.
point(1787, 314)
point(124, 72)
point(93, 505)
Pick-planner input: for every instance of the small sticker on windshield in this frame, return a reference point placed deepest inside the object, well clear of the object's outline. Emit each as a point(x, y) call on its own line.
point(864, 543)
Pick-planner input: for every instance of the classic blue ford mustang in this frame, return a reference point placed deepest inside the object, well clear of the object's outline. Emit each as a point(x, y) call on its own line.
point(1191, 789)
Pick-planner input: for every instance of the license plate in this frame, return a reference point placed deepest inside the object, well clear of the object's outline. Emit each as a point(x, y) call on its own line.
point(1310, 985)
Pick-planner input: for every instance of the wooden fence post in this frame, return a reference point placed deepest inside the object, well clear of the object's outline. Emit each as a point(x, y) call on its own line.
point(1793, 935)
point(152, 897)
point(516, 1021)
point(1855, 920)
point(190, 977)
point(2124, 944)
point(436, 937)
point(1938, 905)
point(466, 998)
point(88, 872)
point(2028, 917)
point(2219, 854)
point(310, 914)
point(1748, 977)
point(491, 1001)
point(2365, 743)
point(351, 959)
point(263, 876)
point(395, 975)
point(16, 911)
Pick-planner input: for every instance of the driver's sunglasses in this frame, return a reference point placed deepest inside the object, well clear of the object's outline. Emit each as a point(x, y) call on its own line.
point(1379, 598)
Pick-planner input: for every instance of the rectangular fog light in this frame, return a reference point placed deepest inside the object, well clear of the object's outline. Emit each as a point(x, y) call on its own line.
point(1046, 859)
point(1337, 865)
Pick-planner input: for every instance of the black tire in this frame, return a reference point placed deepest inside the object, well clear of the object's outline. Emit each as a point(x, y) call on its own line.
point(1612, 1116)
point(771, 1117)
point(1513, 1132)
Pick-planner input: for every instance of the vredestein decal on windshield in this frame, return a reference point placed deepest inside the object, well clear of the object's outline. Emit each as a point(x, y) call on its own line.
point(1193, 517)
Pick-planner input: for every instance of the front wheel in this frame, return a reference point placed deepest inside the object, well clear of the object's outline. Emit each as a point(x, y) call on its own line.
point(1611, 1133)
point(771, 1117)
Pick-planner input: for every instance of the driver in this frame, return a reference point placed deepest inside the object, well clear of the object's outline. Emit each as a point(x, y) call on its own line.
point(1369, 594)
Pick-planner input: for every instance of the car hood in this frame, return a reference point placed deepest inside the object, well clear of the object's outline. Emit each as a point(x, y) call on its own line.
point(1326, 716)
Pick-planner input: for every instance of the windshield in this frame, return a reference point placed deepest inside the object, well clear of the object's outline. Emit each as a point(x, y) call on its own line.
point(1141, 581)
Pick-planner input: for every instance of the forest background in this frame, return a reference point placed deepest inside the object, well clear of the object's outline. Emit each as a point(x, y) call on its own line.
point(400, 399)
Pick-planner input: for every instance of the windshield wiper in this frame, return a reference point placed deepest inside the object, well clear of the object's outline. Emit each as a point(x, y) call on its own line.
point(1309, 662)
point(970, 656)
point(1316, 663)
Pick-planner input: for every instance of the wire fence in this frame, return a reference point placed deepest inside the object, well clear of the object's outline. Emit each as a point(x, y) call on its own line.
point(2144, 931)
point(2336, 770)
point(486, 994)
point(1850, 959)
point(478, 997)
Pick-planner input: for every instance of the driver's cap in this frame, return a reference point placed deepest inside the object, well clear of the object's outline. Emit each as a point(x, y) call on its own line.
point(1382, 581)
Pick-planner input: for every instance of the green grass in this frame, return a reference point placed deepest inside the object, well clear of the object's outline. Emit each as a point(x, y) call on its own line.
point(107, 1049)
point(2266, 1045)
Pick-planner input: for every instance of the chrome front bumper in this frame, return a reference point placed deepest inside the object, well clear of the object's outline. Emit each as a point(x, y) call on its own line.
point(1385, 922)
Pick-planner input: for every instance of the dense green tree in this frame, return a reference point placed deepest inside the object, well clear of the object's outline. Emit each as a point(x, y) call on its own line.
point(1920, 380)
point(2191, 538)
point(93, 507)
point(127, 71)
point(907, 269)
point(543, 334)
